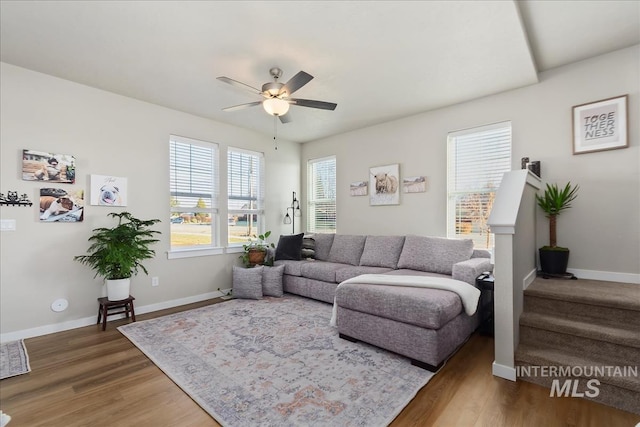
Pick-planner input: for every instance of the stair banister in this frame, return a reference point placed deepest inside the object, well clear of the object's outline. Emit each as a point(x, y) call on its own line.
point(513, 222)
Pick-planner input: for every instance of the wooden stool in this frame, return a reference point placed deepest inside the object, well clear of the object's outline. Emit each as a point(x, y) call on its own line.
point(105, 305)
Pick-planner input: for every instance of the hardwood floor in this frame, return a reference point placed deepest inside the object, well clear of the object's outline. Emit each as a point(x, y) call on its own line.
point(87, 377)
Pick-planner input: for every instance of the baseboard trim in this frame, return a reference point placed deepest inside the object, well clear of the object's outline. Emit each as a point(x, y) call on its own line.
point(91, 320)
point(610, 276)
point(502, 371)
point(529, 278)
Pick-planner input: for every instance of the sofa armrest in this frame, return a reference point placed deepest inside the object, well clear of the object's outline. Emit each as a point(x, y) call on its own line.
point(468, 270)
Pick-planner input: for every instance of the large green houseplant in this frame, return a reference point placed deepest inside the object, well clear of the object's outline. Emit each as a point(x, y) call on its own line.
point(553, 258)
point(116, 253)
point(255, 251)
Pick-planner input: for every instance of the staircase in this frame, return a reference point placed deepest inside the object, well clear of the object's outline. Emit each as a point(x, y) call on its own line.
point(592, 327)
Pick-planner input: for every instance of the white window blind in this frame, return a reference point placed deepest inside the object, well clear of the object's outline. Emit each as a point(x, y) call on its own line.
point(477, 159)
point(246, 195)
point(321, 205)
point(193, 182)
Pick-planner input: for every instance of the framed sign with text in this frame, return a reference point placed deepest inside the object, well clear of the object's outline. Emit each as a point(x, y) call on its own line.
point(600, 125)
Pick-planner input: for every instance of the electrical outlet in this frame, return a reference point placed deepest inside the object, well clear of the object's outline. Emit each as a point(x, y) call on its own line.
point(155, 281)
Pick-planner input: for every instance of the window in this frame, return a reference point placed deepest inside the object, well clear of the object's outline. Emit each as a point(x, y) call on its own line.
point(246, 195)
point(477, 158)
point(193, 176)
point(321, 179)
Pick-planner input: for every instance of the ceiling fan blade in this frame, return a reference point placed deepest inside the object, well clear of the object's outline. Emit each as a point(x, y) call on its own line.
point(286, 118)
point(240, 85)
point(313, 104)
point(242, 106)
point(296, 82)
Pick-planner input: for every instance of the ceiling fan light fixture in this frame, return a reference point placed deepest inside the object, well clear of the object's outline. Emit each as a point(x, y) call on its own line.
point(275, 106)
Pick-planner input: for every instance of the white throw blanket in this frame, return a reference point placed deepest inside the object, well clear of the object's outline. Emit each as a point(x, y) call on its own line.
point(469, 295)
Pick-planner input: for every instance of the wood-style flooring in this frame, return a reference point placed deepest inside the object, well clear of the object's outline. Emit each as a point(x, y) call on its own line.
point(87, 377)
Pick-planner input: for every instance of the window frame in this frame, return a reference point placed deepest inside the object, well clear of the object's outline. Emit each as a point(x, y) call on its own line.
point(478, 217)
point(312, 202)
point(260, 197)
point(213, 210)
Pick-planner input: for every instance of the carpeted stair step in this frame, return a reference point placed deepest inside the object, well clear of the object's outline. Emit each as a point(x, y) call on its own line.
point(615, 354)
point(611, 332)
point(620, 389)
point(543, 304)
point(590, 293)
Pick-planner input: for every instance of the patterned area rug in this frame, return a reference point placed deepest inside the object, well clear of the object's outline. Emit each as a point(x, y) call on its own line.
point(277, 362)
point(14, 359)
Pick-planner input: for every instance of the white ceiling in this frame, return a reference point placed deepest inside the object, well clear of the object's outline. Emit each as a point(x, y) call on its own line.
point(377, 60)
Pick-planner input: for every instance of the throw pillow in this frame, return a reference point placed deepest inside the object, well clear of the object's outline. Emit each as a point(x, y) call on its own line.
point(308, 248)
point(272, 281)
point(247, 282)
point(289, 247)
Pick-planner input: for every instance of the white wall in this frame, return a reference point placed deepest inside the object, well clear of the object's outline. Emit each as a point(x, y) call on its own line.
point(109, 135)
point(603, 228)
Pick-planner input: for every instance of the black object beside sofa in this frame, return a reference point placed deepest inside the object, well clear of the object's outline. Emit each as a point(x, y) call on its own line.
point(426, 325)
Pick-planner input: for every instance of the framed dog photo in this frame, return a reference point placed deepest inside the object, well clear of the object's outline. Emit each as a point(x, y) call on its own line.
point(108, 190)
point(43, 166)
point(385, 185)
point(61, 205)
point(600, 125)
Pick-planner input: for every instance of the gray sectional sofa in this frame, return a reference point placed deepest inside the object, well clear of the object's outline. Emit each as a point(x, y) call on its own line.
point(426, 325)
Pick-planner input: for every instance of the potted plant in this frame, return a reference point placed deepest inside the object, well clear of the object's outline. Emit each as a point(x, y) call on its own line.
point(553, 258)
point(115, 253)
point(255, 251)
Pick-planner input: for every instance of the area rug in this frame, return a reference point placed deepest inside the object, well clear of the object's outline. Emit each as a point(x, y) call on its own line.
point(14, 359)
point(277, 362)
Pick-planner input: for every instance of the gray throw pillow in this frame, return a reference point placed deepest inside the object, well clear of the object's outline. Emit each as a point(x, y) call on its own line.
point(272, 281)
point(247, 282)
point(323, 242)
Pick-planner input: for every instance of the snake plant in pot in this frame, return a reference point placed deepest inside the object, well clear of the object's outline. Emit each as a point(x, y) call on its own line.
point(553, 258)
point(115, 253)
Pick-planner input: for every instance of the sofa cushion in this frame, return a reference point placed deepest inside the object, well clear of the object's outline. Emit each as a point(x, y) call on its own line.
point(272, 281)
point(347, 249)
point(291, 267)
point(289, 247)
point(382, 251)
point(435, 254)
point(323, 242)
point(427, 308)
point(356, 270)
point(406, 272)
point(324, 271)
point(247, 282)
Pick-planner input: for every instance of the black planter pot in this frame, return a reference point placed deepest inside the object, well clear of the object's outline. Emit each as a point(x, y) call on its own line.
point(553, 261)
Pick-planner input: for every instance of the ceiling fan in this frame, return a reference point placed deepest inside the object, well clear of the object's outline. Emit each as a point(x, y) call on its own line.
point(277, 96)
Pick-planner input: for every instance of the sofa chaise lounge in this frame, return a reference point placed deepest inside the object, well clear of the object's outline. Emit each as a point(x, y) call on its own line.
point(424, 324)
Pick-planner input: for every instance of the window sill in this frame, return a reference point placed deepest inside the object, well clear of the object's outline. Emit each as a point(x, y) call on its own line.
point(190, 253)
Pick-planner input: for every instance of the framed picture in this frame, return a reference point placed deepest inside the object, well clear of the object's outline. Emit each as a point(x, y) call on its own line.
point(600, 125)
point(43, 166)
point(359, 188)
point(108, 190)
point(385, 185)
point(414, 184)
point(60, 205)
